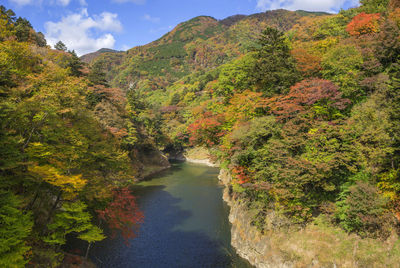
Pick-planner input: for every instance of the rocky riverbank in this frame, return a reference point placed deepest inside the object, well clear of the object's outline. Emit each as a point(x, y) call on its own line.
point(196, 155)
point(249, 243)
point(319, 244)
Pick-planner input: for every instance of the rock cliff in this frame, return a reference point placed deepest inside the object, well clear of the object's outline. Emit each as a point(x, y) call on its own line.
point(248, 241)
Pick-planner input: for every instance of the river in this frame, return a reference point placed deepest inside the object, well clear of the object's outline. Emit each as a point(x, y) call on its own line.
point(186, 224)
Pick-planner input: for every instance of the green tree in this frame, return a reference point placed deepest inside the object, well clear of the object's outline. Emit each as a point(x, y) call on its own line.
point(393, 100)
point(93, 234)
point(234, 76)
point(23, 29)
point(342, 66)
point(274, 71)
point(75, 64)
point(60, 46)
point(73, 218)
point(363, 211)
point(15, 227)
point(374, 6)
point(96, 75)
point(40, 39)
point(7, 19)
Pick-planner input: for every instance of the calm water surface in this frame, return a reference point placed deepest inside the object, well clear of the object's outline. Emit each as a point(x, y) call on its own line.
point(186, 224)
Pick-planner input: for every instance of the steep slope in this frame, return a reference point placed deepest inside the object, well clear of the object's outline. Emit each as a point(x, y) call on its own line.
point(305, 123)
point(201, 43)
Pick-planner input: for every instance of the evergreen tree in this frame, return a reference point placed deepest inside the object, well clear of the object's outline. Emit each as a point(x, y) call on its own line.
point(23, 29)
point(75, 64)
point(274, 71)
point(60, 46)
point(97, 76)
point(40, 39)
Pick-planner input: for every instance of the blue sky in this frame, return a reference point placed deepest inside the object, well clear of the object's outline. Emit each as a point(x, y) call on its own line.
point(88, 25)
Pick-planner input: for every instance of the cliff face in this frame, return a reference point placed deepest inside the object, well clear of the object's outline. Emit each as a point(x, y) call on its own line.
point(249, 243)
point(317, 245)
point(150, 163)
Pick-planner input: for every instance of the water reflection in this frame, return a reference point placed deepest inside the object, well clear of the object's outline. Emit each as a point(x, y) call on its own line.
point(185, 224)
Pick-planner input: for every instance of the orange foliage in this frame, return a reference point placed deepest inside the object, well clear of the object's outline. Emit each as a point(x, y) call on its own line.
point(244, 106)
point(363, 24)
point(307, 64)
point(242, 174)
point(395, 16)
point(207, 130)
point(305, 94)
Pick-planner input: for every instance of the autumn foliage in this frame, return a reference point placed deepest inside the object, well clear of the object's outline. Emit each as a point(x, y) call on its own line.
point(307, 64)
point(306, 94)
point(241, 174)
point(122, 214)
point(207, 130)
point(364, 24)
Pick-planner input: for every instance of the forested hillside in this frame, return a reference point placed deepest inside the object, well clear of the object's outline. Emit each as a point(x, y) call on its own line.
point(199, 44)
point(69, 150)
point(302, 108)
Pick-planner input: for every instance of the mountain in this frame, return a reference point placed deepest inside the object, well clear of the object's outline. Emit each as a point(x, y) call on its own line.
point(88, 58)
point(201, 43)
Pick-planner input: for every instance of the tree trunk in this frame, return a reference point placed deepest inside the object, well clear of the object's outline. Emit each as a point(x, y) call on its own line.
point(87, 250)
point(54, 206)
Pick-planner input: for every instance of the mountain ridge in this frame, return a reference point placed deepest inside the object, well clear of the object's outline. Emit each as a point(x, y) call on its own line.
point(202, 42)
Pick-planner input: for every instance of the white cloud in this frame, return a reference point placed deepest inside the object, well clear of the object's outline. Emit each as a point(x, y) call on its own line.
point(150, 18)
point(138, 2)
point(84, 33)
point(63, 2)
point(22, 2)
point(309, 5)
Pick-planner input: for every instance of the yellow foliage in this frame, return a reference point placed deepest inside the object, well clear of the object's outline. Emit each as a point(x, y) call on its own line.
point(70, 184)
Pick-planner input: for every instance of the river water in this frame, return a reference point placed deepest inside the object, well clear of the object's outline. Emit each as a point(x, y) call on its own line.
point(186, 224)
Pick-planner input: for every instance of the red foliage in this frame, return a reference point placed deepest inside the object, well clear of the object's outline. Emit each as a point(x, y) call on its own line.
point(363, 24)
point(122, 214)
point(207, 130)
point(305, 94)
point(241, 174)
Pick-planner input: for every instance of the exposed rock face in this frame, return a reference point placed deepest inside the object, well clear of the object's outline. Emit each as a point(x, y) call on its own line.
point(199, 155)
point(150, 163)
point(249, 243)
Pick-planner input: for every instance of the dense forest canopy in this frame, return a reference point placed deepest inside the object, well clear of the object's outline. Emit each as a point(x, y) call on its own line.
point(302, 108)
point(68, 149)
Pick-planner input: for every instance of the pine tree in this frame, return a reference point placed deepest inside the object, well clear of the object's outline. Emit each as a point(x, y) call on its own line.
point(23, 29)
point(75, 64)
point(274, 71)
point(60, 46)
point(97, 76)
